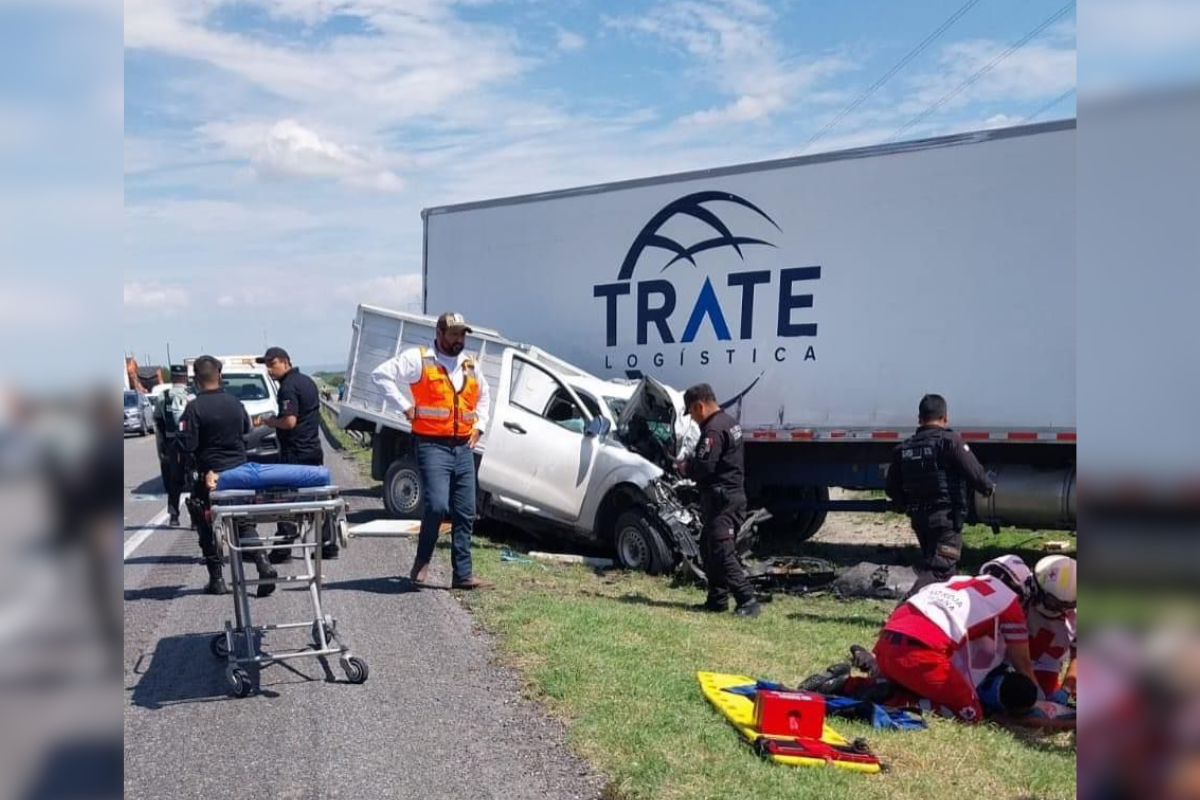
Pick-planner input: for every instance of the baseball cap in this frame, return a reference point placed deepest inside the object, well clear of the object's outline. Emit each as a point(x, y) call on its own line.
point(272, 354)
point(178, 371)
point(451, 320)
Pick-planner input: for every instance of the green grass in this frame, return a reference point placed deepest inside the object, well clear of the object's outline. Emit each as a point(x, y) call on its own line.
point(616, 656)
point(346, 443)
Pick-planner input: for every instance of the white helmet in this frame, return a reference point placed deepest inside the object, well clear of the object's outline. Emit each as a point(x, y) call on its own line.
point(1055, 577)
point(1012, 570)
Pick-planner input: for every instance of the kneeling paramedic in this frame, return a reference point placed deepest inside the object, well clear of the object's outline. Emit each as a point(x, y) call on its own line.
point(448, 412)
point(717, 467)
point(929, 476)
point(1052, 627)
point(945, 640)
point(211, 431)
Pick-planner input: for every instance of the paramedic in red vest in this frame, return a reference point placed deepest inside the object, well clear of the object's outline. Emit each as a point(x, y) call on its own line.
point(943, 641)
point(449, 412)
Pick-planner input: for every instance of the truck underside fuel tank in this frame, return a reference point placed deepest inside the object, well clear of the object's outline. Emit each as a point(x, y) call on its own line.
point(1030, 497)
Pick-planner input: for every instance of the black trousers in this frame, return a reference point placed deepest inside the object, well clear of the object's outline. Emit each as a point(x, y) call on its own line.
point(171, 467)
point(200, 507)
point(288, 530)
point(724, 570)
point(941, 543)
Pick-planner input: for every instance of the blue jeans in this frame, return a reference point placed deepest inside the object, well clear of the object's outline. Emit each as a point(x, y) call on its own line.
point(448, 482)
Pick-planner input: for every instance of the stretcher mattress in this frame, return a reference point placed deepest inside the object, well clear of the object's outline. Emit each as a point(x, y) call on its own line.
point(261, 477)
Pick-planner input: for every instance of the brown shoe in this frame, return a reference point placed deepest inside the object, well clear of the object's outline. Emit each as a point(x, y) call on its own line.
point(470, 584)
point(420, 572)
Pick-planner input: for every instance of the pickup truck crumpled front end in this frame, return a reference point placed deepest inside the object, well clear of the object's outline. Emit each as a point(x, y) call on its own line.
point(676, 505)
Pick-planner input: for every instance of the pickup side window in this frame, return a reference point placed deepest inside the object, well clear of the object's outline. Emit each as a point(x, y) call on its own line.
point(536, 391)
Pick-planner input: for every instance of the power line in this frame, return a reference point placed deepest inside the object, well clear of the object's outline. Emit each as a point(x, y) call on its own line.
point(1049, 105)
point(985, 69)
point(899, 65)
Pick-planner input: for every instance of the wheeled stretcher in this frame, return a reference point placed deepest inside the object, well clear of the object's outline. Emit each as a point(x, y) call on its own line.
point(235, 515)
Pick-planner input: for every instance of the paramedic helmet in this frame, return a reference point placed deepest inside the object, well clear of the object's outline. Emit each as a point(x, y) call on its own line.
point(1012, 571)
point(1055, 576)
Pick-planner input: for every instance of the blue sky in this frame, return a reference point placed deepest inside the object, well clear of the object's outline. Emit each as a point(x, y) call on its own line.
point(278, 152)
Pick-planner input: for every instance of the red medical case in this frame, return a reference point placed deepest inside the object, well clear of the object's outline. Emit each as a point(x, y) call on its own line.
point(789, 714)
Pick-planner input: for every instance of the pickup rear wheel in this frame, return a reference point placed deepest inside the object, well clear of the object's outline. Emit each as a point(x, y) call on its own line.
point(639, 545)
point(402, 494)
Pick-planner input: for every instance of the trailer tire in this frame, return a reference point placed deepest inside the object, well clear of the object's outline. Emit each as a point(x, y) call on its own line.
point(402, 492)
point(639, 546)
point(796, 526)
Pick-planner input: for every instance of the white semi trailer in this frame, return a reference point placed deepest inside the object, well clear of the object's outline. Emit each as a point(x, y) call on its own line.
point(821, 296)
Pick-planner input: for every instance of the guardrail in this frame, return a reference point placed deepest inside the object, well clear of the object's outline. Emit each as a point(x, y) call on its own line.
point(333, 408)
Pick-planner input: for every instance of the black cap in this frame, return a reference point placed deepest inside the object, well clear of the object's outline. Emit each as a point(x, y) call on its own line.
point(178, 371)
point(272, 354)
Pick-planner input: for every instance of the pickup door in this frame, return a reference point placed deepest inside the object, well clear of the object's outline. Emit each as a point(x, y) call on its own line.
point(539, 456)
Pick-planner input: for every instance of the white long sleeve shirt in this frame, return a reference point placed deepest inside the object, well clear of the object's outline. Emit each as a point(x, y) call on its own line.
point(405, 369)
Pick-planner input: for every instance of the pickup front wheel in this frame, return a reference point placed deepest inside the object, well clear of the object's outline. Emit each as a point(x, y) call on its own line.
point(639, 545)
point(402, 493)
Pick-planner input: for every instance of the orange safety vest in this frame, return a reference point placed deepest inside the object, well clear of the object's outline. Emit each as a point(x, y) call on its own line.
point(441, 410)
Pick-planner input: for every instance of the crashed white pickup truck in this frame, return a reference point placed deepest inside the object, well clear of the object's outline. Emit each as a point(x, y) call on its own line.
point(567, 455)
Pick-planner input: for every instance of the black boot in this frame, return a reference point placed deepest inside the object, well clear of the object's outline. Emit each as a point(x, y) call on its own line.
point(830, 681)
point(216, 580)
point(265, 570)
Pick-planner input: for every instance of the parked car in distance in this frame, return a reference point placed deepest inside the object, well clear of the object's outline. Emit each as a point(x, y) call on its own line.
point(139, 414)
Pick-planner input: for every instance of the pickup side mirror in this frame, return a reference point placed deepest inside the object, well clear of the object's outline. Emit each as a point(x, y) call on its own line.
point(598, 428)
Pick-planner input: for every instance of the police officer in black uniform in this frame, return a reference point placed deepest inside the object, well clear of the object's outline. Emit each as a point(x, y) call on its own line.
point(718, 468)
point(298, 425)
point(168, 410)
point(212, 432)
point(929, 476)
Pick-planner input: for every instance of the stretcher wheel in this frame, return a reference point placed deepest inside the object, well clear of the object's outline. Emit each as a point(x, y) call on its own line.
point(343, 532)
point(239, 682)
point(356, 669)
point(219, 646)
point(330, 631)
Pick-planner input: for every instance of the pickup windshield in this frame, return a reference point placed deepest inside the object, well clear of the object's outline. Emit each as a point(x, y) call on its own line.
point(243, 387)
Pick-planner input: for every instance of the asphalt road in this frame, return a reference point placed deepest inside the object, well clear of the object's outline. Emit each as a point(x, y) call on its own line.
point(436, 719)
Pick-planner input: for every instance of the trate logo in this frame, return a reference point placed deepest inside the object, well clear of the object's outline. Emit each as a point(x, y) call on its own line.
point(668, 312)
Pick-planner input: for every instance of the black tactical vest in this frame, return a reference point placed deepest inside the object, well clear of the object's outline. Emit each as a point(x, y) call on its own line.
point(928, 483)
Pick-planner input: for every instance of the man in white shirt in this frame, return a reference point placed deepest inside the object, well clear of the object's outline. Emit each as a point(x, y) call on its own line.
point(449, 412)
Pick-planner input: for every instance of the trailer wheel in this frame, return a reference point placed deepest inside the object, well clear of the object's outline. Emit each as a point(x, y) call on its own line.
point(402, 495)
point(639, 545)
point(795, 526)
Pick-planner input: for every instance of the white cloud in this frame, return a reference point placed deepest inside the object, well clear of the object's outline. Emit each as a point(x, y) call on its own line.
point(397, 292)
point(733, 48)
point(1038, 70)
point(420, 59)
point(289, 149)
point(153, 297)
point(174, 217)
point(569, 41)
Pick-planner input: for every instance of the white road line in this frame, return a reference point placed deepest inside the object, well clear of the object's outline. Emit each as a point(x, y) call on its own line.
point(135, 541)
